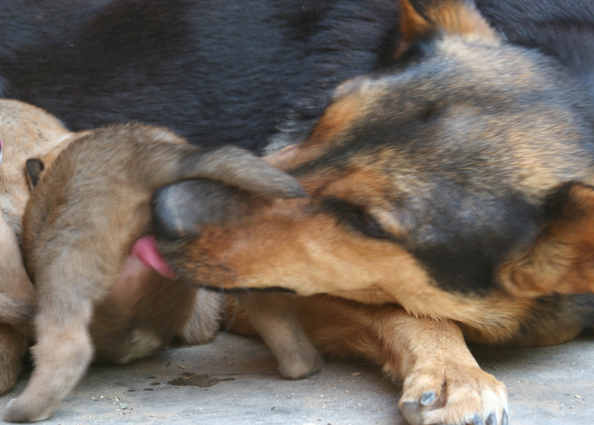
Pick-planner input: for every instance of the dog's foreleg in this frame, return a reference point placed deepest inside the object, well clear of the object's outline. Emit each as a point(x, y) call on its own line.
point(442, 382)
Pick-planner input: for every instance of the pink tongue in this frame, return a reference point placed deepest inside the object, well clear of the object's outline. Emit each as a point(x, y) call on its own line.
point(146, 250)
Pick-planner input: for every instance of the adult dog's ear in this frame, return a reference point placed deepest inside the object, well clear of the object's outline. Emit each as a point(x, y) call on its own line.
point(34, 169)
point(561, 259)
point(420, 19)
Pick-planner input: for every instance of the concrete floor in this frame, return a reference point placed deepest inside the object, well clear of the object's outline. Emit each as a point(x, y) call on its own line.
point(234, 381)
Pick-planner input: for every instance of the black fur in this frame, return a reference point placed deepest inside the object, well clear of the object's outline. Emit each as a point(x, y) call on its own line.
point(558, 28)
point(215, 72)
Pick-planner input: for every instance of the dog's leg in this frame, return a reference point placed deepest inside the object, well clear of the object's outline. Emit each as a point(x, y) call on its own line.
point(16, 290)
point(442, 382)
point(273, 317)
point(16, 308)
point(13, 347)
point(67, 290)
point(205, 318)
point(62, 354)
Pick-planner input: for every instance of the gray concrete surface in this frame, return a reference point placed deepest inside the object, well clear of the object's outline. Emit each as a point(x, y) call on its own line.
point(234, 381)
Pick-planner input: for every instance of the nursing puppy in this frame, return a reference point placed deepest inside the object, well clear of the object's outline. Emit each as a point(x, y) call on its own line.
point(131, 322)
point(25, 132)
point(458, 185)
point(87, 210)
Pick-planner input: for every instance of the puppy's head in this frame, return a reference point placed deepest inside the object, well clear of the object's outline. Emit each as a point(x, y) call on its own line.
point(423, 180)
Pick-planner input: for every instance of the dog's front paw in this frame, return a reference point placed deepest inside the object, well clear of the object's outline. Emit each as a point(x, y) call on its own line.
point(454, 395)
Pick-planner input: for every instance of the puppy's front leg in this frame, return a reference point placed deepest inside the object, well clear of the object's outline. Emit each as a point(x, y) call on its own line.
point(275, 320)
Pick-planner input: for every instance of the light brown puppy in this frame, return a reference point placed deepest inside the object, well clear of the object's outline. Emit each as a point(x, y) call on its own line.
point(89, 208)
point(131, 322)
point(26, 131)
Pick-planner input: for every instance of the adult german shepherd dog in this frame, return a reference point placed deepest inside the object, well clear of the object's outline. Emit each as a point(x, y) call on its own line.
point(458, 185)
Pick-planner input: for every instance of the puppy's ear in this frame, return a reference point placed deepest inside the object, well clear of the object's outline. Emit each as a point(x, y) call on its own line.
point(34, 169)
point(561, 258)
point(422, 18)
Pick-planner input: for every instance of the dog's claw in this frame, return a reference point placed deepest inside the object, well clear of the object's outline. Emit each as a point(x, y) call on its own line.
point(491, 419)
point(428, 398)
point(476, 420)
point(411, 412)
point(505, 418)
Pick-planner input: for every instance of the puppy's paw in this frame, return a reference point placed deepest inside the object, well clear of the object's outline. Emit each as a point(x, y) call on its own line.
point(454, 395)
point(300, 364)
point(21, 409)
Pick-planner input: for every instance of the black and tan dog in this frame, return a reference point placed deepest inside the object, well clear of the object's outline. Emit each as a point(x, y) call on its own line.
point(458, 185)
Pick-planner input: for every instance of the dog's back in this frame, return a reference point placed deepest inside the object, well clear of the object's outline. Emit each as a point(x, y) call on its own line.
point(564, 30)
point(214, 72)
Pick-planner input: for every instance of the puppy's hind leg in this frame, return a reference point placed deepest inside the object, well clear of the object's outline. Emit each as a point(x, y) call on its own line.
point(63, 350)
point(274, 318)
point(205, 318)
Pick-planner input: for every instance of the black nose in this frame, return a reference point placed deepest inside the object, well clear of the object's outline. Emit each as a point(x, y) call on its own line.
point(181, 210)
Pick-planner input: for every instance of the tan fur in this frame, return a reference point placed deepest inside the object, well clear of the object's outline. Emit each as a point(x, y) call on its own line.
point(561, 259)
point(449, 16)
point(26, 132)
point(91, 203)
point(130, 310)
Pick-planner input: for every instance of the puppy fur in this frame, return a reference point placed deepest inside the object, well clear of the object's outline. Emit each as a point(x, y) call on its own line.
point(129, 322)
point(26, 132)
